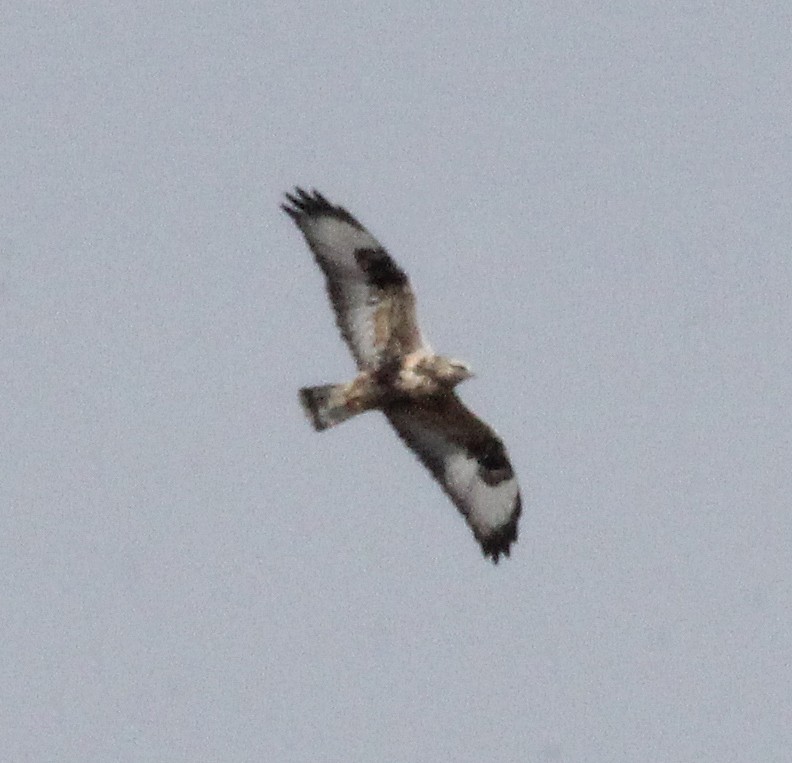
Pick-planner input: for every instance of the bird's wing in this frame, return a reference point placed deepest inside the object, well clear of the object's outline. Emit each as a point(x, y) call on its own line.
point(469, 461)
point(370, 293)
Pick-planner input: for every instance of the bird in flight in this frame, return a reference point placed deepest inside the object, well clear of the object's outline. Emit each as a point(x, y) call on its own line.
point(401, 376)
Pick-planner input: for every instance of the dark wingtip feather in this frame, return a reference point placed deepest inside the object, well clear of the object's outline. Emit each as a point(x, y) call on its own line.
point(293, 213)
point(302, 204)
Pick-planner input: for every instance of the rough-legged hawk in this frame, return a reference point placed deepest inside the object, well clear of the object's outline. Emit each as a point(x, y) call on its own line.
point(401, 376)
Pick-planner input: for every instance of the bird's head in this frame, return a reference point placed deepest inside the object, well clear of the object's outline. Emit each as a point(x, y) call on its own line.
point(450, 371)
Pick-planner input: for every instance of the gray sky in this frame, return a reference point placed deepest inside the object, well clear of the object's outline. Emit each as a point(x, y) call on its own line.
point(593, 202)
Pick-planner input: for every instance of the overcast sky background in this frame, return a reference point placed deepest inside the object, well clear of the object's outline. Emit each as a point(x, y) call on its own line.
point(593, 202)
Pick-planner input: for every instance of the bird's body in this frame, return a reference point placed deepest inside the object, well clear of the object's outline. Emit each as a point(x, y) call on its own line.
point(400, 375)
point(409, 378)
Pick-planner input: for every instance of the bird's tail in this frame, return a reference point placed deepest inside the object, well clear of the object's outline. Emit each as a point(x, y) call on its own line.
point(327, 405)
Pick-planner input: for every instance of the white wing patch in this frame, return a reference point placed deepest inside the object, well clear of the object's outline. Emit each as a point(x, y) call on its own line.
point(336, 241)
point(491, 506)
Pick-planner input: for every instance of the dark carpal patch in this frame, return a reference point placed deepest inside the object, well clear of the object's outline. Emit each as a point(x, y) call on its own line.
point(315, 205)
point(494, 466)
point(380, 269)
